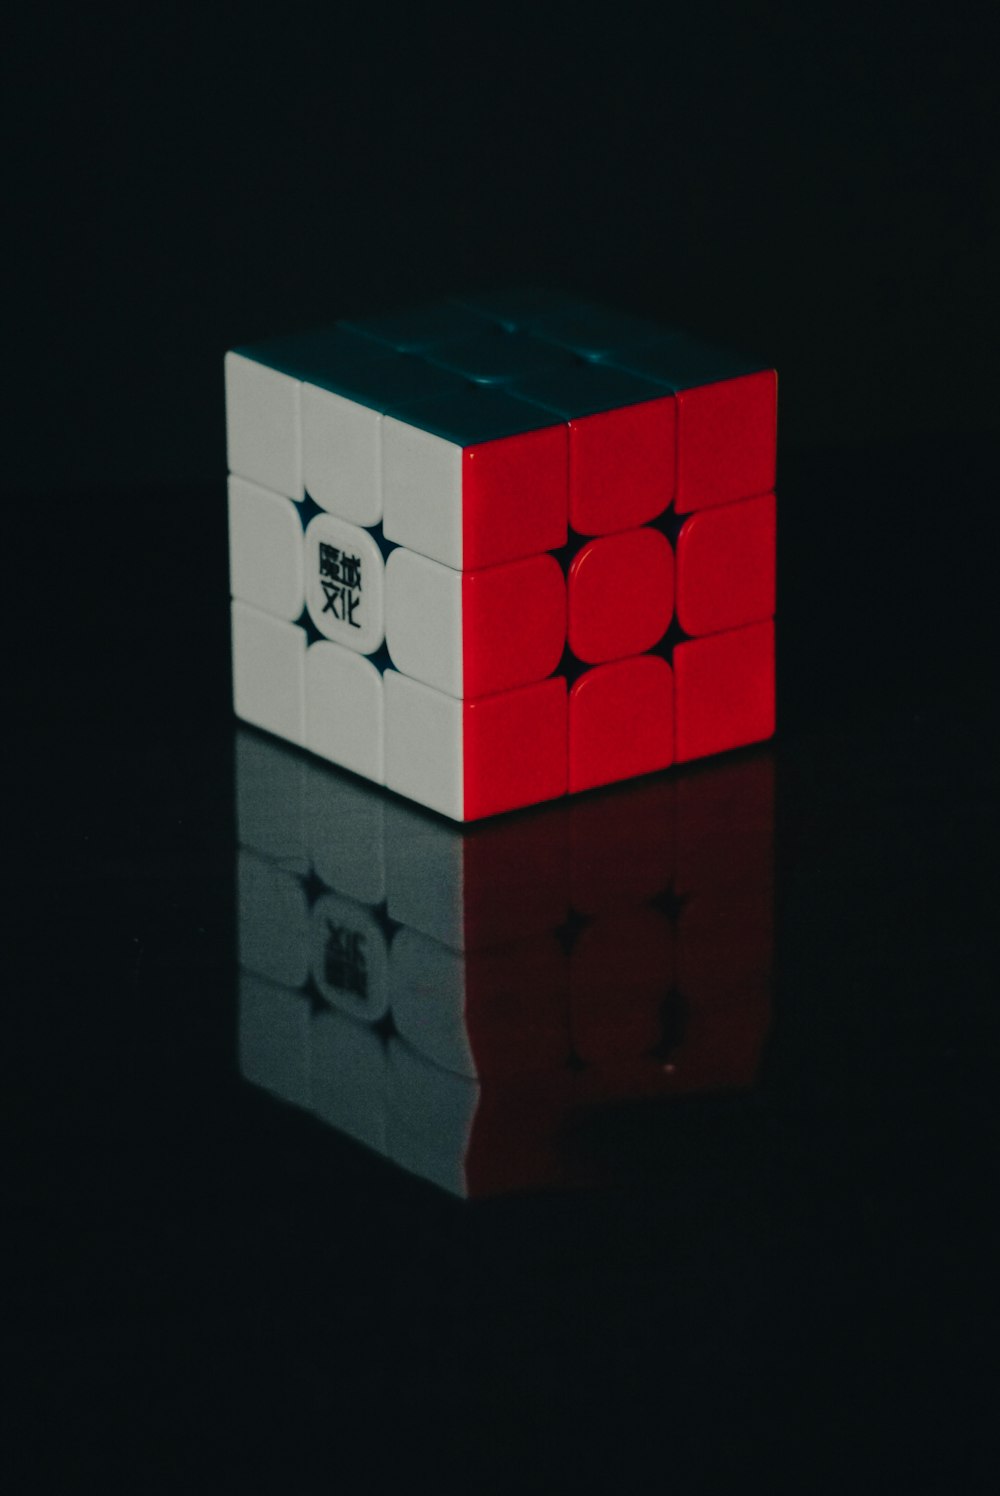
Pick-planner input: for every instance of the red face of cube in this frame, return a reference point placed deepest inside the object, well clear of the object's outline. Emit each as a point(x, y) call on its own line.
point(726, 566)
point(513, 624)
point(726, 441)
point(621, 721)
point(514, 748)
point(514, 497)
point(724, 691)
point(621, 467)
point(621, 595)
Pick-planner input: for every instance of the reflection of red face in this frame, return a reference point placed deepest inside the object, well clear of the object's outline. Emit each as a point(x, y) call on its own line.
point(535, 970)
point(668, 961)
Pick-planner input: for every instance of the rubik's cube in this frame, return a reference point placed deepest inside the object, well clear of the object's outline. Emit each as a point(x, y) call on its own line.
point(492, 551)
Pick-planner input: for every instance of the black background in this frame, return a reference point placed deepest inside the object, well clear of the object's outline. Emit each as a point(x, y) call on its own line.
point(212, 1295)
point(819, 189)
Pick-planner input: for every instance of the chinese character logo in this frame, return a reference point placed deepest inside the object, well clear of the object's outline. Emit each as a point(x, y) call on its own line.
point(340, 579)
point(344, 964)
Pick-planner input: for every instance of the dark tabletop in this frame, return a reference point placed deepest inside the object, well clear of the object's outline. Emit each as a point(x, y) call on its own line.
point(216, 1289)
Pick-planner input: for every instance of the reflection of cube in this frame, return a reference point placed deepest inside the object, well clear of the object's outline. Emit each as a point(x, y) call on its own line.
point(496, 550)
point(461, 999)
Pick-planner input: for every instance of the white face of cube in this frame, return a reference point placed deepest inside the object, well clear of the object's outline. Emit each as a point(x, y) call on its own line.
point(264, 425)
point(344, 711)
point(265, 549)
point(269, 676)
point(345, 583)
point(424, 751)
point(342, 455)
point(422, 491)
point(423, 620)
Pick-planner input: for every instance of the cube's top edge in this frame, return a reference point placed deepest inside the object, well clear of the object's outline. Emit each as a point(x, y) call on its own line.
point(681, 362)
point(594, 331)
point(355, 368)
point(573, 357)
point(586, 389)
point(501, 356)
point(639, 345)
point(476, 414)
point(321, 353)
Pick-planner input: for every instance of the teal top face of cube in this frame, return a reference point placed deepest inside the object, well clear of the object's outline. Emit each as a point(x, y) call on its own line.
point(475, 414)
point(326, 354)
point(388, 383)
point(594, 331)
point(587, 389)
point(356, 367)
point(683, 363)
point(418, 329)
point(500, 357)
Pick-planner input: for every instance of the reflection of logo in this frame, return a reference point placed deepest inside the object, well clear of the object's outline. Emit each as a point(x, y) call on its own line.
point(467, 1003)
point(340, 579)
point(344, 960)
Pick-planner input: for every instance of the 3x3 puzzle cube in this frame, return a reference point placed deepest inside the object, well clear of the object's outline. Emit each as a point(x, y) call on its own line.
point(492, 551)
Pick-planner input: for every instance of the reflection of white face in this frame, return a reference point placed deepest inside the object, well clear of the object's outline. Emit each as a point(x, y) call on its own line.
point(348, 958)
point(511, 1018)
point(345, 583)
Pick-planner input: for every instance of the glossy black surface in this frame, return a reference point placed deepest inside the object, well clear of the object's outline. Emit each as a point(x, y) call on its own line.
point(215, 1289)
point(471, 1002)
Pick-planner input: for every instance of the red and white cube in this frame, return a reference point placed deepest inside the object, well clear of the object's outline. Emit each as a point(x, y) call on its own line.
point(498, 550)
